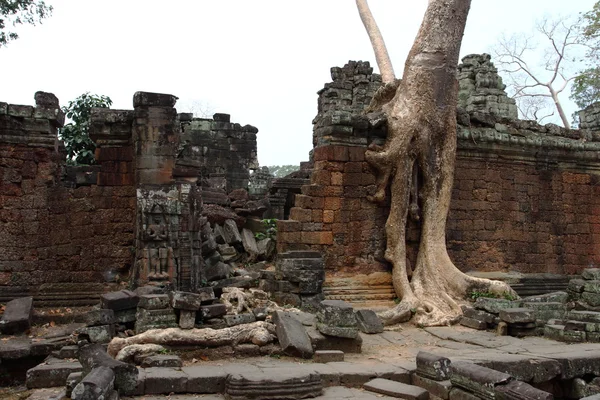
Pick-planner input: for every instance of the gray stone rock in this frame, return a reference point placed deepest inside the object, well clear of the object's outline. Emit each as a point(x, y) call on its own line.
point(336, 318)
point(440, 389)
point(121, 300)
point(554, 297)
point(217, 271)
point(337, 331)
point(325, 342)
point(396, 389)
point(266, 248)
point(98, 334)
point(459, 394)
point(517, 315)
point(494, 305)
point(325, 356)
point(94, 355)
point(368, 321)
point(477, 379)
point(285, 384)
point(163, 361)
point(219, 234)
point(433, 366)
point(586, 316)
point(249, 243)
point(98, 384)
point(239, 319)
point(72, 380)
point(591, 274)
point(126, 316)
point(99, 317)
point(205, 379)
point(479, 315)
point(516, 390)
point(17, 316)
point(15, 348)
point(47, 375)
point(213, 310)
point(283, 299)
point(165, 381)
point(187, 319)
point(292, 336)
point(554, 332)
point(150, 289)
point(231, 232)
point(68, 352)
point(473, 323)
point(593, 299)
point(524, 368)
point(154, 301)
point(188, 301)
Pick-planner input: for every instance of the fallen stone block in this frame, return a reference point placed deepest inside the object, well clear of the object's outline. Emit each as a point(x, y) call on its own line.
point(479, 315)
point(524, 368)
point(586, 316)
point(98, 334)
point(439, 389)
point(473, 323)
point(574, 336)
point(15, 348)
point(396, 389)
point(336, 318)
point(171, 361)
point(325, 356)
point(368, 321)
point(205, 379)
point(51, 374)
point(186, 300)
point(494, 305)
point(187, 319)
point(231, 232)
point(121, 300)
point(554, 297)
point(165, 381)
point(17, 316)
point(94, 355)
point(517, 315)
point(68, 352)
point(154, 301)
point(325, 342)
point(545, 311)
point(126, 316)
point(593, 299)
point(554, 332)
point(292, 336)
point(459, 394)
point(591, 274)
point(477, 379)
point(516, 390)
point(72, 380)
point(249, 243)
point(286, 384)
point(99, 317)
point(576, 285)
point(98, 384)
point(433, 366)
point(239, 319)
point(213, 311)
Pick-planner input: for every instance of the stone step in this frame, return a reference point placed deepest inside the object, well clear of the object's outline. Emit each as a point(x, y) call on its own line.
point(51, 373)
point(396, 389)
point(282, 385)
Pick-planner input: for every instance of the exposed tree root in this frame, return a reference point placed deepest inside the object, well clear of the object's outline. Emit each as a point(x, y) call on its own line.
point(136, 352)
point(259, 333)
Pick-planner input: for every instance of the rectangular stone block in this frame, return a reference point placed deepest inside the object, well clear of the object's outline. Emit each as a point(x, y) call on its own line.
point(17, 316)
point(98, 334)
point(292, 336)
point(477, 379)
point(121, 300)
point(99, 317)
point(396, 389)
point(433, 366)
point(187, 319)
point(51, 374)
point(165, 381)
point(213, 311)
point(325, 356)
point(517, 315)
point(186, 300)
point(154, 301)
point(205, 379)
point(439, 389)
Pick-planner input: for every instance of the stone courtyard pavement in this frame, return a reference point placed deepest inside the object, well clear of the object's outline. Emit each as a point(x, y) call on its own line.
point(392, 349)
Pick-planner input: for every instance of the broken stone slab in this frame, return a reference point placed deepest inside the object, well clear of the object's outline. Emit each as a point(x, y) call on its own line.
point(325, 356)
point(17, 316)
point(433, 366)
point(217, 271)
point(187, 319)
point(68, 352)
point(593, 299)
point(121, 300)
point(99, 317)
point(72, 380)
point(524, 368)
point(154, 301)
point(477, 379)
point(554, 297)
point(292, 336)
point(191, 301)
point(592, 286)
point(545, 311)
point(591, 274)
point(586, 316)
point(266, 248)
point(479, 315)
point(574, 336)
point(156, 317)
point(126, 316)
point(576, 285)
point(14, 348)
point(336, 318)
point(205, 379)
point(325, 342)
point(554, 331)
point(163, 361)
point(494, 305)
point(285, 384)
point(368, 321)
point(231, 232)
point(440, 389)
point(239, 319)
point(98, 384)
point(95, 355)
point(165, 381)
point(517, 315)
point(473, 323)
point(249, 243)
point(396, 389)
point(516, 390)
point(97, 334)
point(213, 310)
point(53, 374)
point(219, 234)
point(459, 394)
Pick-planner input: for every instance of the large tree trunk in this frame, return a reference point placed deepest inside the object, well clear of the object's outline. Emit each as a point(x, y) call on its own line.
point(422, 130)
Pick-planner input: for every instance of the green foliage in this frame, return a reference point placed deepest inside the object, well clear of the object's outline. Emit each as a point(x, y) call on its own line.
point(270, 226)
point(506, 295)
point(75, 134)
point(280, 171)
point(586, 86)
point(20, 12)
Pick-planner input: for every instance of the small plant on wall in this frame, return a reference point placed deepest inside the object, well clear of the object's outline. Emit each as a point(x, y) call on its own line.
point(270, 226)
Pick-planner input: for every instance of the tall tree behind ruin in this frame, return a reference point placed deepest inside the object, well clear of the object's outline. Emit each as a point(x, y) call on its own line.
point(19, 12)
point(421, 121)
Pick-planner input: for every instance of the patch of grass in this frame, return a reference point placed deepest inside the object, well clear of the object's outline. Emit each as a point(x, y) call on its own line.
point(475, 294)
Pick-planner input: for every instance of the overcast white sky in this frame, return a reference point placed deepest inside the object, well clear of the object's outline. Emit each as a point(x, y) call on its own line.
point(262, 61)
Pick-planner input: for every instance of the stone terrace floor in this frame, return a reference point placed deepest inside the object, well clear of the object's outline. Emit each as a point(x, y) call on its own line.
point(399, 348)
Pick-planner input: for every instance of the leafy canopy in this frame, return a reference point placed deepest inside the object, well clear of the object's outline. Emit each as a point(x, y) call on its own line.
point(586, 86)
point(20, 12)
point(75, 134)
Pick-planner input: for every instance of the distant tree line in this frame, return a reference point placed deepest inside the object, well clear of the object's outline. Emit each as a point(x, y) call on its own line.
point(279, 171)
